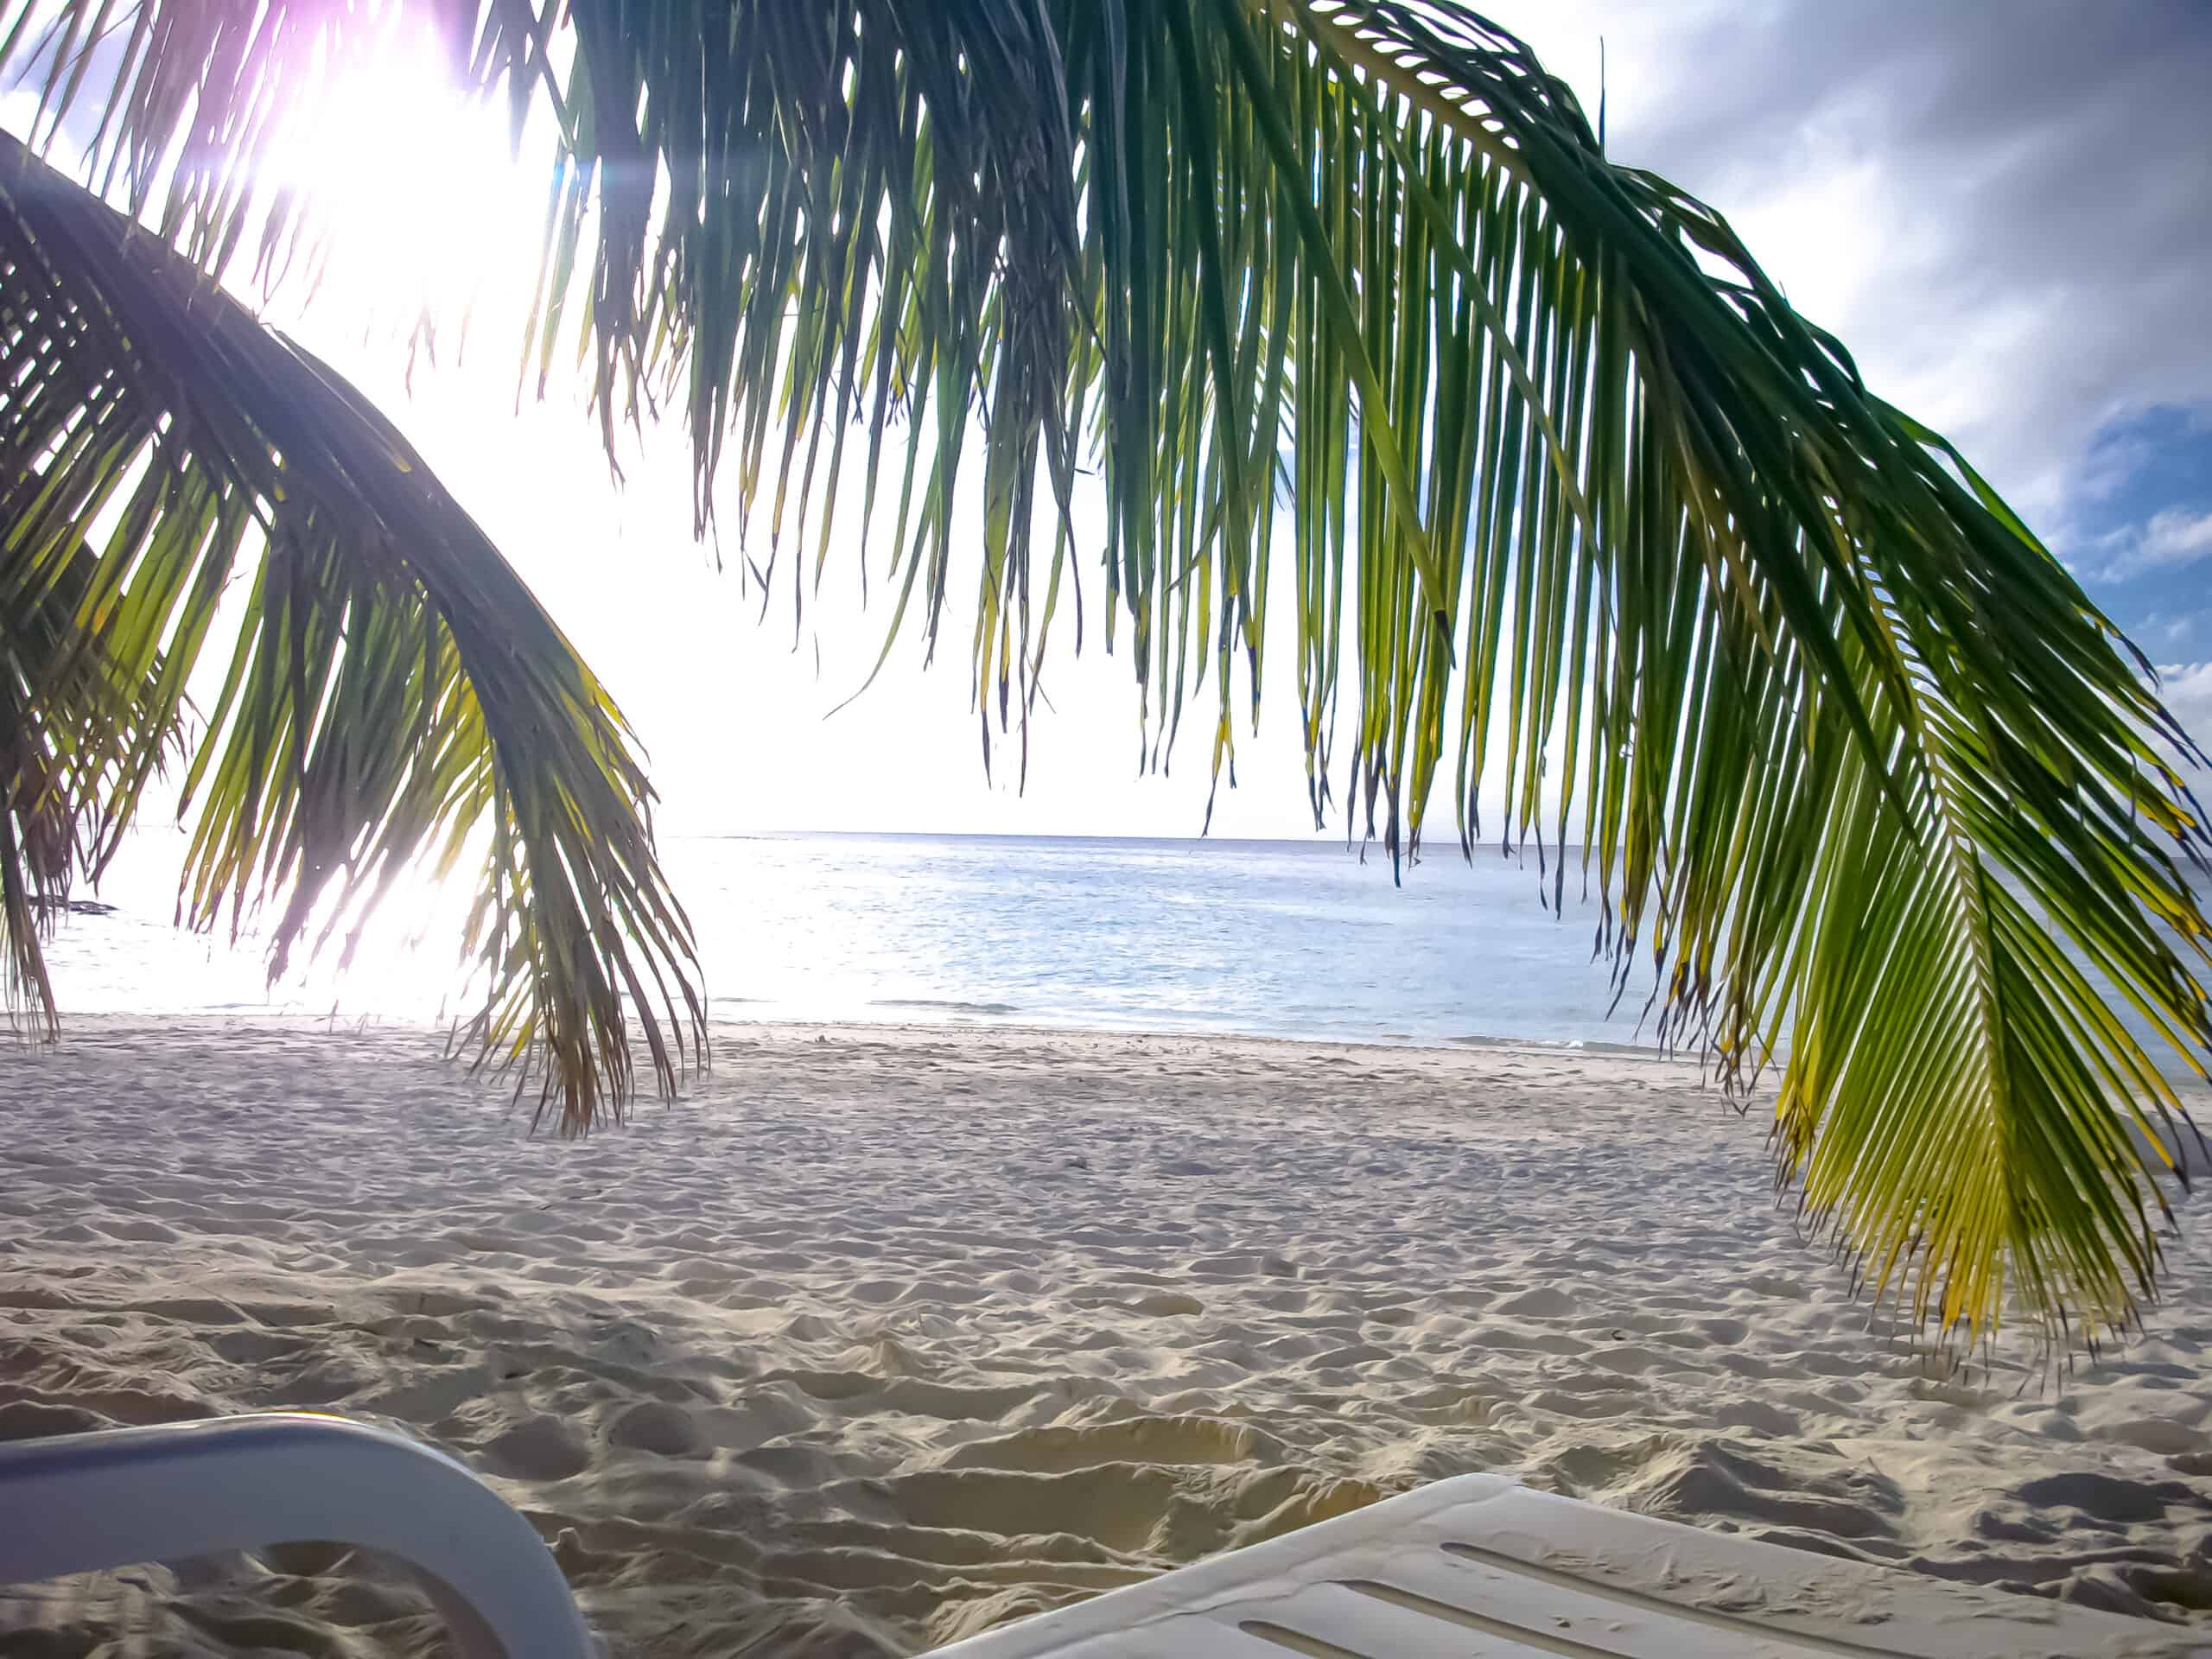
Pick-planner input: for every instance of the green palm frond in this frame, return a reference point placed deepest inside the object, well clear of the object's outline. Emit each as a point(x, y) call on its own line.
point(56, 696)
point(1571, 504)
point(395, 694)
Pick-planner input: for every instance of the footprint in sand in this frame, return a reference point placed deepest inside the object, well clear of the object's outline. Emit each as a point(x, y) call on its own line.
point(664, 1430)
point(538, 1448)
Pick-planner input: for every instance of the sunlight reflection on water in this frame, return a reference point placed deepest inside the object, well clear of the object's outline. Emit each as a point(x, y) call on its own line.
point(1275, 937)
point(1154, 935)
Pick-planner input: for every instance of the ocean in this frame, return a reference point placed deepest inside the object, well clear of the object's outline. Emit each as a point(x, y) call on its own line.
point(1292, 938)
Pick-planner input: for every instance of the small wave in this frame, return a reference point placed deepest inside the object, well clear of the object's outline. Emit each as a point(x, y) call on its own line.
point(1566, 1045)
point(1647, 1051)
point(941, 1005)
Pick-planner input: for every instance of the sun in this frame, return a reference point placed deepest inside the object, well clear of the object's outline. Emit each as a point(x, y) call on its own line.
point(409, 189)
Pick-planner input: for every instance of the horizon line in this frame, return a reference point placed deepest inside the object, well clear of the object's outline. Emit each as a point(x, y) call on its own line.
point(1429, 845)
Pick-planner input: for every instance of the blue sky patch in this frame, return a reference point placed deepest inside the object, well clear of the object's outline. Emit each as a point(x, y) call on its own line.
point(2141, 535)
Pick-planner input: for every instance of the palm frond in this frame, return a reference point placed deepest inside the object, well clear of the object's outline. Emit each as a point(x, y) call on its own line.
point(55, 695)
point(395, 693)
point(1609, 529)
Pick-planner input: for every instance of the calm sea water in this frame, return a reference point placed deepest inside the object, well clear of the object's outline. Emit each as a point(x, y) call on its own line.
point(1290, 938)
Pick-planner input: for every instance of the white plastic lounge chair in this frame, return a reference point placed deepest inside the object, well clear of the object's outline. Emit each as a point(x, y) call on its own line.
point(1480, 1568)
point(1471, 1568)
point(81, 1502)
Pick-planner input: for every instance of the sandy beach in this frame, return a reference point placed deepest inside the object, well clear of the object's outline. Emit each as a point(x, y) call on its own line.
point(884, 1335)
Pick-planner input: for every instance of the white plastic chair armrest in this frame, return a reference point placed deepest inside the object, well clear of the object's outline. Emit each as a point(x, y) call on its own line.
point(82, 1502)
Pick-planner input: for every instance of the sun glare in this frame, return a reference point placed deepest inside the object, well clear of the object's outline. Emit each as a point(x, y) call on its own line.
point(413, 191)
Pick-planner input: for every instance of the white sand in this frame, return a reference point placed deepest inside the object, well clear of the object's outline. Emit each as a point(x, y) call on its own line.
point(883, 1336)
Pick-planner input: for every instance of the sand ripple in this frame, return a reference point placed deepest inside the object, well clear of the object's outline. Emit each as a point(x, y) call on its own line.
point(885, 1335)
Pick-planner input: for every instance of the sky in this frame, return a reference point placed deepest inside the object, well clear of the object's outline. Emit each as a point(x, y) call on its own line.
point(2004, 207)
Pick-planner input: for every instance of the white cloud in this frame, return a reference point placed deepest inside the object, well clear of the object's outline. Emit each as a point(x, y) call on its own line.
point(2170, 537)
point(2174, 633)
point(2000, 207)
point(2187, 690)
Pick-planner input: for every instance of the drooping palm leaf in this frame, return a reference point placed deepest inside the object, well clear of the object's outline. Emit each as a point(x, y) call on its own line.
point(55, 697)
point(396, 692)
point(1851, 759)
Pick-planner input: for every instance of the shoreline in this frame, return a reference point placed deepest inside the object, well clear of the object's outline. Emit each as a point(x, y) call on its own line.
point(902, 1024)
point(880, 1335)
